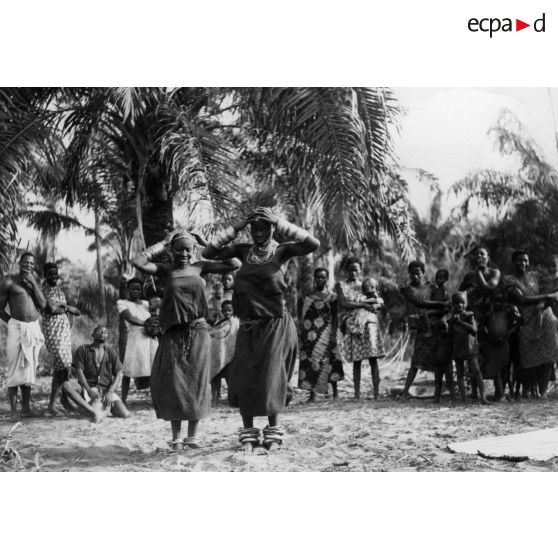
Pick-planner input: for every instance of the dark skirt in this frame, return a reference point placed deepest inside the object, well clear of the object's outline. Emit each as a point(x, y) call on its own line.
point(263, 364)
point(424, 352)
point(181, 372)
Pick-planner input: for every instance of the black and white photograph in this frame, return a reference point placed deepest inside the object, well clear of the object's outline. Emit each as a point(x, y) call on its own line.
point(278, 279)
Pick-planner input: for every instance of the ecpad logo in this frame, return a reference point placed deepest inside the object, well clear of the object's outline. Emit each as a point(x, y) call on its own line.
point(492, 25)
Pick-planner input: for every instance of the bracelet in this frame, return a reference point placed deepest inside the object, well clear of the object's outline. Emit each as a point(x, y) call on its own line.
point(291, 231)
point(224, 237)
point(152, 251)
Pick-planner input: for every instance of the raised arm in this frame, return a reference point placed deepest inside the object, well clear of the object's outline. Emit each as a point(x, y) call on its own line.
point(492, 281)
point(143, 260)
point(217, 249)
point(302, 242)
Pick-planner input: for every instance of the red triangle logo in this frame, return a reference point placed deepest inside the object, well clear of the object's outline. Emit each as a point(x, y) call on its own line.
point(519, 25)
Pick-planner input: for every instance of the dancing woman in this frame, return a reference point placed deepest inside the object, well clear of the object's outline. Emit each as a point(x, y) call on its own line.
point(181, 368)
point(266, 345)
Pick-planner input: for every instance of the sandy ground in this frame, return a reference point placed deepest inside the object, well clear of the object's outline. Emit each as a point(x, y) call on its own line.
point(327, 435)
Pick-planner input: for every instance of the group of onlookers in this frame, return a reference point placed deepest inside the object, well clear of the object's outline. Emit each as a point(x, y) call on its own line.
point(181, 343)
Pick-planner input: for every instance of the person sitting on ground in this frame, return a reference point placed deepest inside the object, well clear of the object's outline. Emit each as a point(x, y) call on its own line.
point(502, 321)
point(98, 371)
point(26, 300)
point(463, 332)
point(223, 342)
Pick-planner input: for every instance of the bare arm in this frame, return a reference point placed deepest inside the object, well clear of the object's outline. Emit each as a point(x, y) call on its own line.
point(523, 300)
point(4, 296)
point(83, 382)
point(115, 383)
point(223, 266)
point(420, 303)
point(492, 281)
point(36, 292)
point(143, 260)
point(470, 326)
point(126, 314)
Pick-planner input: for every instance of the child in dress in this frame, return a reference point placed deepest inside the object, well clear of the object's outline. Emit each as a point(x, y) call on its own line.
point(463, 332)
point(357, 319)
point(223, 342)
point(438, 293)
point(152, 326)
point(502, 322)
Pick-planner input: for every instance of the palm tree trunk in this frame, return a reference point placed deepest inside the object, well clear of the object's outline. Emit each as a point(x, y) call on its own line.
point(157, 217)
point(100, 276)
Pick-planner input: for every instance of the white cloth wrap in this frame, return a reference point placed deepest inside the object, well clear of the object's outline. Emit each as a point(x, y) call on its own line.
point(24, 343)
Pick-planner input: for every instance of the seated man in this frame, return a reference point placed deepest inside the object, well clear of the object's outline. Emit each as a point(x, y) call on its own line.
point(98, 371)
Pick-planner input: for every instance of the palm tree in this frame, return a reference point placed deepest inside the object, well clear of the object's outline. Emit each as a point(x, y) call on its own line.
point(324, 153)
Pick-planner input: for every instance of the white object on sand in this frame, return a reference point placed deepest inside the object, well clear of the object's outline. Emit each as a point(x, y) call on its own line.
point(538, 445)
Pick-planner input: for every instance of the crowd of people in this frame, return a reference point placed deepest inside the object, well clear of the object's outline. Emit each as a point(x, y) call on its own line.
point(181, 344)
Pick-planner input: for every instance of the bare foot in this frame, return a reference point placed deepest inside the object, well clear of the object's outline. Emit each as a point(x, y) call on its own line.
point(484, 401)
point(273, 446)
point(14, 416)
point(247, 447)
point(52, 412)
point(27, 413)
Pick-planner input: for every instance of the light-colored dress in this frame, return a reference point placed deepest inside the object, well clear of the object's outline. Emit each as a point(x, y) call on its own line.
point(223, 341)
point(538, 336)
point(56, 329)
point(355, 344)
point(140, 348)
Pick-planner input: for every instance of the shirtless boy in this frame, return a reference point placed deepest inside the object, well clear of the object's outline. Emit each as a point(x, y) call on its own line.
point(25, 298)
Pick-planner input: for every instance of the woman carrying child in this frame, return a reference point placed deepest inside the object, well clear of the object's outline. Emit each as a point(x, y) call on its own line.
point(538, 337)
point(361, 337)
point(140, 348)
point(417, 294)
point(266, 346)
point(320, 361)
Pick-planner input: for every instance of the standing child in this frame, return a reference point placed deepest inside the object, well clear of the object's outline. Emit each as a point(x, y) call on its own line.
point(438, 293)
point(152, 324)
point(215, 302)
point(223, 342)
point(463, 333)
point(501, 323)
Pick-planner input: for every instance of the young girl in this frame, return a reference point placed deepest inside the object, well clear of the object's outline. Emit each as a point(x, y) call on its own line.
point(502, 321)
point(223, 341)
point(463, 333)
point(140, 349)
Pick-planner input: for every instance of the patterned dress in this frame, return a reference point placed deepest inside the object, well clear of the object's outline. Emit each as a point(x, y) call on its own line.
point(319, 364)
point(56, 329)
point(538, 337)
point(359, 345)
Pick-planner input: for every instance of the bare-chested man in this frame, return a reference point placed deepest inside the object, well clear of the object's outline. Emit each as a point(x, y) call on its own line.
point(25, 298)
